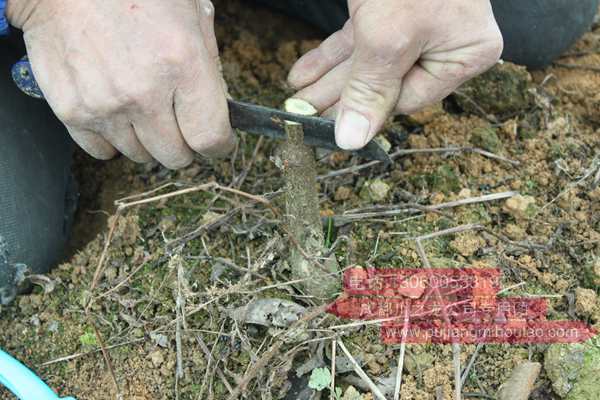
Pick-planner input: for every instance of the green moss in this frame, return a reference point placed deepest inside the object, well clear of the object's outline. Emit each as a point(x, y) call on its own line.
point(591, 278)
point(444, 179)
point(487, 139)
point(574, 369)
point(502, 91)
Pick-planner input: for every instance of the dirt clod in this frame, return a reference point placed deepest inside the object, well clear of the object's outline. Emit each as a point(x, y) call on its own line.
point(520, 207)
point(375, 191)
point(502, 91)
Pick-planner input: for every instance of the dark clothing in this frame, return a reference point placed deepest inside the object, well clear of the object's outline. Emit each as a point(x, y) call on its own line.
point(535, 31)
point(35, 160)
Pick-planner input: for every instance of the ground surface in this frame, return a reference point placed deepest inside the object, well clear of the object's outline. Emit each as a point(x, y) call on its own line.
point(548, 121)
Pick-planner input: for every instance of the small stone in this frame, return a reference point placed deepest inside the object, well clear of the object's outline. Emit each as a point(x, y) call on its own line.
point(342, 193)
point(53, 326)
point(376, 190)
point(351, 394)
point(418, 362)
point(373, 366)
point(383, 142)
point(466, 244)
point(510, 129)
point(192, 171)
point(585, 301)
point(487, 139)
point(520, 207)
point(515, 232)
point(465, 193)
point(157, 358)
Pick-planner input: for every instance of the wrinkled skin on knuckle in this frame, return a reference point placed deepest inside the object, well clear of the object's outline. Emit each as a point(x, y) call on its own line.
point(382, 45)
point(69, 113)
point(176, 49)
point(370, 91)
point(385, 31)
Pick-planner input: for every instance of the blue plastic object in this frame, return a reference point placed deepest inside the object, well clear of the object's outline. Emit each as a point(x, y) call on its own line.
point(22, 74)
point(4, 28)
point(22, 382)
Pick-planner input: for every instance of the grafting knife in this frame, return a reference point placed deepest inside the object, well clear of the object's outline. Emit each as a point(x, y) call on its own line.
point(254, 119)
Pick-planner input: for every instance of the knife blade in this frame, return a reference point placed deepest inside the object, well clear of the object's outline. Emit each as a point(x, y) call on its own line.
point(318, 132)
point(252, 118)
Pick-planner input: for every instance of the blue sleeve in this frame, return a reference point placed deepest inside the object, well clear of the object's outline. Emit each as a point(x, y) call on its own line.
point(4, 29)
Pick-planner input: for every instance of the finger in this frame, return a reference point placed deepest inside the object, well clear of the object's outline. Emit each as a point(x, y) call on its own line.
point(120, 133)
point(354, 6)
point(201, 109)
point(92, 143)
point(432, 80)
point(381, 59)
point(421, 88)
point(317, 62)
point(158, 132)
point(206, 15)
point(203, 117)
point(327, 91)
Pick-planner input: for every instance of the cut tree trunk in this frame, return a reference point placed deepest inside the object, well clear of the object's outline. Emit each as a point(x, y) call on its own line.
point(319, 274)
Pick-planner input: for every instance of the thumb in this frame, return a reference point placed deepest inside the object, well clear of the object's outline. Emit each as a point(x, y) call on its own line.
point(379, 63)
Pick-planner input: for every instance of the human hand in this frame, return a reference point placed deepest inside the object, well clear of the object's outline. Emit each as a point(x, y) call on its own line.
point(395, 57)
point(140, 77)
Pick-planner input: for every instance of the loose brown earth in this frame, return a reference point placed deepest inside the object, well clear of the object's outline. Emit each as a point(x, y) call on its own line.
point(554, 134)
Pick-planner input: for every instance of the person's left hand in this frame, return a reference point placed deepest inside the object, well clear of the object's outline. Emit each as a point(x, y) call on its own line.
point(395, 56)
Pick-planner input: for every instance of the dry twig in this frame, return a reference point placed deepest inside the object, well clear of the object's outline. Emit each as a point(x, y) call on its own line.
point(359, 371)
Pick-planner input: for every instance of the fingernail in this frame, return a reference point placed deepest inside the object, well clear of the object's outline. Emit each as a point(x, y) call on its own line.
point(352, 130)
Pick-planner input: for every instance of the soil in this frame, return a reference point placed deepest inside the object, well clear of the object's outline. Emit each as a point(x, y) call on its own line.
point(239, 254)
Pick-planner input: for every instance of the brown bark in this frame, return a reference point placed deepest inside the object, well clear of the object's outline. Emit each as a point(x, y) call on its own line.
point(303, 217)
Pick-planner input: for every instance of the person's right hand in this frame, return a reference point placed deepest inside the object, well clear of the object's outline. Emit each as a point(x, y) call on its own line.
point(139, 77)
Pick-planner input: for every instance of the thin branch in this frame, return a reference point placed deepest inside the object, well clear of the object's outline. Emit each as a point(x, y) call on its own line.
point(406, 152)
point(474, 200)
point(400, 366)
point(467, 370)
point(450, 231)
point(333, 361)
point(455, 345)
point(107, 360)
